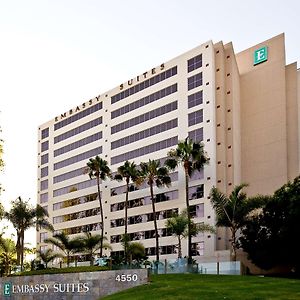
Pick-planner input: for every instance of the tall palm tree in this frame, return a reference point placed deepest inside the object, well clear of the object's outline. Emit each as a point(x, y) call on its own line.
point(129, 172)
point(190, 154)
point(232, 211)
point(65, 244)
point(92, 243)
point(48, 256)
point(23, 216)
point(98, 168)
point(155, 175)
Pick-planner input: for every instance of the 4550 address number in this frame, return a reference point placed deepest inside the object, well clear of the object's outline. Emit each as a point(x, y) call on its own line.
point(126, 277)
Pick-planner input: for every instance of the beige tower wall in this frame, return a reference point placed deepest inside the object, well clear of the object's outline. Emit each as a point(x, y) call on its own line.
point(264, 118)
point(292, 121)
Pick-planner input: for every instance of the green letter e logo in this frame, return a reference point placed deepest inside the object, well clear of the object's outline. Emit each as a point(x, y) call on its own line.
point(6, 289)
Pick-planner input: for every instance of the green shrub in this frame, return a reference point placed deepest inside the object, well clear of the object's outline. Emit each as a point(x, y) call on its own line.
point(63, 270)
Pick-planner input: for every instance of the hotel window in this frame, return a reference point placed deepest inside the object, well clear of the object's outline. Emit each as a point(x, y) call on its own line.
point(44, 198)
point(80, 229)
point(143, 85)
point(78, 116)
point(44, 158)
point(44, 172)
point(196, 135)
point(44, 146)
point(196, 192)
point(198, 249)
point(197, 211)
point(144, 134)
point(78, 130)
point(69, 175)
point(145, 150)
point(195, 117)
point(144, 101)
point(194, 63)
point(194, 81)
point(75, 187)
point(43, 236)
point(90, 139)
point(77, 158)
point(44, 184)
point(195, 99)
point(145, 117)
point(45, 133)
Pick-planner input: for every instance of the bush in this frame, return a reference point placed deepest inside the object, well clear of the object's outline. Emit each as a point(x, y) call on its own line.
point(63, 270)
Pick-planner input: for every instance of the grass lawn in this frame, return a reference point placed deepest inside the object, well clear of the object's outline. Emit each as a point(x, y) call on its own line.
point(214, 287)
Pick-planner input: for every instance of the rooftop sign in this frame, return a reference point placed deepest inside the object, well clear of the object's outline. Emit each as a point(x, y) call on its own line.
point(260, 55)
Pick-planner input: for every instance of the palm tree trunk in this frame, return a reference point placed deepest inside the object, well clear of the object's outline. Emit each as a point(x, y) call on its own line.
point(126, 218)
point(91, 258)
point(155, 222)
point(18, 248)
point(233, 245)
point(101, 213)
point(22, 249)
point(188, 215)
point(179, 247)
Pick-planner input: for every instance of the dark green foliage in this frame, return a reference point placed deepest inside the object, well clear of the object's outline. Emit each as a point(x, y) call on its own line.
point(233, 211)
point(271, 238)
point(63, 270)
point(67, 245)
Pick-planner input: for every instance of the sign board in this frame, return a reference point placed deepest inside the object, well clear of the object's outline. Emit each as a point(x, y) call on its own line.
point(260, 55)
point(83, 286)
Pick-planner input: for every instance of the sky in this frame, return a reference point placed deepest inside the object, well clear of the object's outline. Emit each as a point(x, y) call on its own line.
point(57, 54)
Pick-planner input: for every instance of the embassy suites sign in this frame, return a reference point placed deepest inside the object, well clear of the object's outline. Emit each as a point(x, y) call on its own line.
point(83, 286)
point(10, 289)
point(122, 86)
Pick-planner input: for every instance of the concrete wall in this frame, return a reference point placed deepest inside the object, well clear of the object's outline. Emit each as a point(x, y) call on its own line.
point(73, 286)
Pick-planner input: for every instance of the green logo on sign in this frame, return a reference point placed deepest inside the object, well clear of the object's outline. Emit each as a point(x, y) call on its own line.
point(6, 289)
point(260, 55)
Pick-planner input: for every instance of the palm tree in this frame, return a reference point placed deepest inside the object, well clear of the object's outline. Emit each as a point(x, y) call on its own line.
point(232, 211)
point(154, 174)
point(98, 168)
point(178, 226)
point(128, 171)
point(7, 255)
point(67, 245)
point(137, 252)
point(48, 256)
point(23, 216)
point(190, 154)
point(92, 243)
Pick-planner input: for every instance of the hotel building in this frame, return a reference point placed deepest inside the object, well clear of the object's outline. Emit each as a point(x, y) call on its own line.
point(245, 109)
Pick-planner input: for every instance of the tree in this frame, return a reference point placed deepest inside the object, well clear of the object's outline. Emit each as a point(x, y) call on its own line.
point(92, 243)
point(23, 216)
point(178, 226)
point(136, 252)
point(271, 237)
point(232, 211)
point(48, 256)
point(98, 168)
point(66, 245)
point(154, 174)
point(7, 255)
point(129, 172)
point(191, 155)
